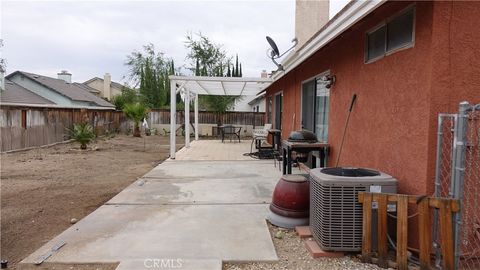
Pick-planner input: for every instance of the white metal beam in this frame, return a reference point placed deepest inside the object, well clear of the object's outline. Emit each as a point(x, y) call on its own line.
point(223, 88)
point(243, 88)
point(187, 118)
point(196, 117)
point(173, 123)
point(218, 79)
point(181, 86)
point(204, 89)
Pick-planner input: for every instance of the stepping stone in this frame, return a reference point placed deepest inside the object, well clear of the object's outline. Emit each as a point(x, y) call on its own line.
point(317, 252)
point(303, 231)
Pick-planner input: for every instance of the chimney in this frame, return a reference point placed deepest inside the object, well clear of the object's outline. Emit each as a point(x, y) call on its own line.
point(310, 16)
point(107, 80)
point(264, 74)
point(64, 75)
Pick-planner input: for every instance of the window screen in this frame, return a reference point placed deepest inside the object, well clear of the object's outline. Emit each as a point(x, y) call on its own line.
point(395, 34)
point(376, 43)
point(400, 31)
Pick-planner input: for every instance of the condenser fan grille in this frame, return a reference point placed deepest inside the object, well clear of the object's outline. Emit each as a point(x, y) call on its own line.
point(336, 216)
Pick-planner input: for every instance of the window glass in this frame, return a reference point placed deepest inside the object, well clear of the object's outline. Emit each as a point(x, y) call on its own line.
point(376, 43)
point(269, 110)
point(400, 31)
point(321, 111)
point(278, 111)
point(308, 106)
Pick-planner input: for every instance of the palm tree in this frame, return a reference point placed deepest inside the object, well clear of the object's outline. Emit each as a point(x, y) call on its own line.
point(82, 133)
point(135, 112)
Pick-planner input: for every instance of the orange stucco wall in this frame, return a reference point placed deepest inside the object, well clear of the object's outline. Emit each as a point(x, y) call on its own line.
point(393, 124)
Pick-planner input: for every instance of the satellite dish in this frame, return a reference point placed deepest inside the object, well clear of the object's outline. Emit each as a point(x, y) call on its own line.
point(275, 51)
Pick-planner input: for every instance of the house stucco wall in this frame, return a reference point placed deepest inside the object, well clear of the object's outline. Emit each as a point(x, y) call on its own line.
point(98, 85)
point(260, 103)
point(393, 124)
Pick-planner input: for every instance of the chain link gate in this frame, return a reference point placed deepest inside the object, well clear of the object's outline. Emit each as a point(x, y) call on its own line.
point(457, 175)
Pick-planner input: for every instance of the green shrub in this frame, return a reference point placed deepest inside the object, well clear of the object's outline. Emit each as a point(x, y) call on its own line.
point(126, 97)
point(82, 133)
point(135, 112)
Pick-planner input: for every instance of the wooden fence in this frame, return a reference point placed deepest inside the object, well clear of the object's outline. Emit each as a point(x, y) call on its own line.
point(204, 117)
point(424, 205)
point(25, 127)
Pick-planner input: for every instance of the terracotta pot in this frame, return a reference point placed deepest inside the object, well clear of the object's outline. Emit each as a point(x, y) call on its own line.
point(291, 197)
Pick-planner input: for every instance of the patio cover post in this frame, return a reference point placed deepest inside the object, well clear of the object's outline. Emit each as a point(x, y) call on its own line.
point(196, 117)
point(173, 121)
point(187, 118)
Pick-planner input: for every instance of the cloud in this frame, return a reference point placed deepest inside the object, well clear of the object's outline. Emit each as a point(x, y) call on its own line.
point(91, 38)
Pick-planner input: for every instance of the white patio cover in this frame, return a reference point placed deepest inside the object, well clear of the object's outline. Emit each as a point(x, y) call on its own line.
point(192, 86)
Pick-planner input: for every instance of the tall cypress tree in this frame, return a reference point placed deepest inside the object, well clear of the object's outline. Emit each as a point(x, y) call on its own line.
point(233, 71)
point(240, 74)
point(236, 66)
point(197, 68)
point(149, 71)
point(228, 70)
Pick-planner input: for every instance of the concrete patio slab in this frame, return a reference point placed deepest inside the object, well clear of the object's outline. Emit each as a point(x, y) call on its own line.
point(255, 190)
point(199, 212)
point(139, 232)
point(215, 169)
point(170, 264)
point(215, 150)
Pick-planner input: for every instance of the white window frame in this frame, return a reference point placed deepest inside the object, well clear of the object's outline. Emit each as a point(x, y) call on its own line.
point(387, 52)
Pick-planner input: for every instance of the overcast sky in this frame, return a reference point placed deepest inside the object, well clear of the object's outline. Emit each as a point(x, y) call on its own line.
point(94, 37)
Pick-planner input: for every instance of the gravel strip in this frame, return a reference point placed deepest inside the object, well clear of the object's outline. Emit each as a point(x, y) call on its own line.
point(293, 254)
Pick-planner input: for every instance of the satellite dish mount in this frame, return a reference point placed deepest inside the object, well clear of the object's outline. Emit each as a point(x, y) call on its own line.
point(274, 53)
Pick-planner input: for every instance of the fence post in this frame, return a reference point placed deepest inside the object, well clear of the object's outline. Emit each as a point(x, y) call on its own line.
point(438, 186)
point(459, 170)
point(402, 230)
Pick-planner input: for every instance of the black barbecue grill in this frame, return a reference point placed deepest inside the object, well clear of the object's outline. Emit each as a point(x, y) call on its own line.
point(302, 142)
point(304, 136)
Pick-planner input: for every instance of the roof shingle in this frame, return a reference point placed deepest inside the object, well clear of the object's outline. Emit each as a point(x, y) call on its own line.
point(15, 93)
point(70, 90)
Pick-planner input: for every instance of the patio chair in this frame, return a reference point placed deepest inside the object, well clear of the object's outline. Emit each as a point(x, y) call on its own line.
point(260, 135)
point(231, 130)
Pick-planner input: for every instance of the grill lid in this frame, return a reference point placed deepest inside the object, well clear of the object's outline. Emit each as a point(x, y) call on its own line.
point(302, 136)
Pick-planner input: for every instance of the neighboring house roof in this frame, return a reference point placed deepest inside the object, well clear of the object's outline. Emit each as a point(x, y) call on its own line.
point(257, 98)
point(15, 93)
point(88, 88)
point(70, 90)
point(112, 83)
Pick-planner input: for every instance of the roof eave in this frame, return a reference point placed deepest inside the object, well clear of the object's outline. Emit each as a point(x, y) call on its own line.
point(345, 19)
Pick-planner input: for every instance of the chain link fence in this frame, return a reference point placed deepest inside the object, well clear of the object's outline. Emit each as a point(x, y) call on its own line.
point(458, 176)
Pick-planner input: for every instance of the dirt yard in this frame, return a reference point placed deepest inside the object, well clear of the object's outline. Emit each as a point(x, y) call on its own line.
point(43, 189)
